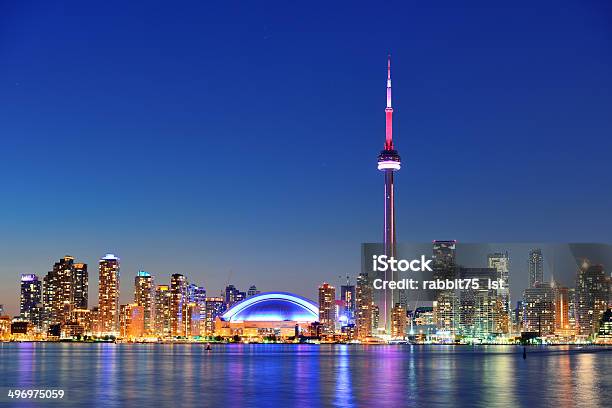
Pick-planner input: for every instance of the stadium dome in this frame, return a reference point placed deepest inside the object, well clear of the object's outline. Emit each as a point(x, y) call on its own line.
point(273, 307)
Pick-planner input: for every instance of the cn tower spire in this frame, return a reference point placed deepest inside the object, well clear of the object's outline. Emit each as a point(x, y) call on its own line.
point(389, 81)
point(389, 109)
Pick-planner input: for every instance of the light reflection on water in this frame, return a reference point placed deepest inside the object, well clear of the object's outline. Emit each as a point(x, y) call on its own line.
point(301, 375)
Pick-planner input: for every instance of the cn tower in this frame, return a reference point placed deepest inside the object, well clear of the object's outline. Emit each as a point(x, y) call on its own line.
point(389, 163)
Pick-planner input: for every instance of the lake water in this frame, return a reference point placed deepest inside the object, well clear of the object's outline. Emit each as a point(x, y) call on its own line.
point(184, 375)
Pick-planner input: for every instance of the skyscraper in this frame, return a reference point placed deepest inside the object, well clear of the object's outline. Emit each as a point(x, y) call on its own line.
point(108, 295)
point(446, 303)
point(233, 295)
point(389, 162)
point(398, 321)
point(197, 295)
point(364, 300)
point(562, 325)
point(535, 266)
point(592, 294)
point(163, 301)
point(479, 308)
point(327, 308)
point(500, 261)
point(144, 295)
point(539, 316)
point(81, 286)
point(178, 302)
point(59, 289)
point(30, 305)
point(215, 306)
point(347, 295)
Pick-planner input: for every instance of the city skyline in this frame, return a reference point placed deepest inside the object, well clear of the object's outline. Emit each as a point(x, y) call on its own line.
point(559, 264)
point(548, 311)
point(147, 153)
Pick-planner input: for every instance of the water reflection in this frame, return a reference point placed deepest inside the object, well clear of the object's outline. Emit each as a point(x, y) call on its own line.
point(307, 375)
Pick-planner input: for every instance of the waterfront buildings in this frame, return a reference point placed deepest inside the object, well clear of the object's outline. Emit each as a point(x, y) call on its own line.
point(535, 267)
point(144, 295)
point(327, 308)
point(108, 295)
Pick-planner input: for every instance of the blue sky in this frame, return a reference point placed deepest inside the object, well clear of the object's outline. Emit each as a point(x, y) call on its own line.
point(235, 142)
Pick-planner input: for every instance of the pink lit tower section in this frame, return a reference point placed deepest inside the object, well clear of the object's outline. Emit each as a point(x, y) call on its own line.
point(389, 163)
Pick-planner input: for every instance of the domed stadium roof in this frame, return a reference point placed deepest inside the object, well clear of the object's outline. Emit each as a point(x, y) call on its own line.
point(273, 307)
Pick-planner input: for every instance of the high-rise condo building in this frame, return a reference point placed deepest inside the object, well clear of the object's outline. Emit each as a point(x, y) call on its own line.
point(233, 295)
point(30, 304)
point(398, 321)
point(446, 304)
point(535, 267)
point(539, 315)
point(327, 308)
point(81, 286)
point(108, 294)
point(163, 302)
point(347, 295)
point(197, 295)
point(592, 295)
point(500, 261)
point(61, 291)
point(562, 324)
point(144, 295)
point(192, 319)
point(479, 308)
point(215, 306)
point(178, 293)
point(364, 302)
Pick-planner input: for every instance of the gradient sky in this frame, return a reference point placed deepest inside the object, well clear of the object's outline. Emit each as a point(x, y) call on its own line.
point(238, 143)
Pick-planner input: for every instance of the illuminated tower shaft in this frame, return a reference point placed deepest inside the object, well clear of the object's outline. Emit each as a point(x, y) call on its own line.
point(389, 162)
